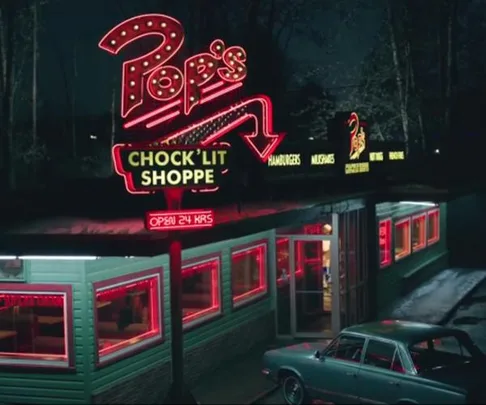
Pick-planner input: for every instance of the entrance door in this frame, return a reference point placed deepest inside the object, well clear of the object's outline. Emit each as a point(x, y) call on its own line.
point(313, 287)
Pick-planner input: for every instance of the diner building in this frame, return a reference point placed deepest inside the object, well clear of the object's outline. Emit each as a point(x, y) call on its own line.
point(86, 318)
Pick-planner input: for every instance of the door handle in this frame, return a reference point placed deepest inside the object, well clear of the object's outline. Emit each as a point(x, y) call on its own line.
point(351, 374)
point(396, 383)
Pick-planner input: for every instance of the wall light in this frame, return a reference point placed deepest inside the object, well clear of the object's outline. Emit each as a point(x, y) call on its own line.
point(424, 204)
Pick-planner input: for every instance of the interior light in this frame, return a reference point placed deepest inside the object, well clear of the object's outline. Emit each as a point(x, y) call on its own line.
point(93, 136)
point(58, 257)
point(424, 204)
point(311, 138)
point(8, 257)
point(437, 151)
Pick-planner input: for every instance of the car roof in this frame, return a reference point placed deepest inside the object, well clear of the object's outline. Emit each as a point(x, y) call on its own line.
point(405, 332)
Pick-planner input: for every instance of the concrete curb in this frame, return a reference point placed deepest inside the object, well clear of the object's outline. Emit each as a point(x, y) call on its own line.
point(263, 395)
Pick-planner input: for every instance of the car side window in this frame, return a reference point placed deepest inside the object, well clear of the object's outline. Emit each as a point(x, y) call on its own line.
point(380, 354)
point(347, 348)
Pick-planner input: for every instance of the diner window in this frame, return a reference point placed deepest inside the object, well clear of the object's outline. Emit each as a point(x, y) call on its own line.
point(200, 291)
point(36, 326)
point(433, 227)
point(419, 232)
point(128, 315)
point(249, 273)
point(402, 238)
point(385, 237)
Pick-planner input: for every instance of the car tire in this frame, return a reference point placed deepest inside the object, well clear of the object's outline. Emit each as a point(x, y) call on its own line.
point(293, 389)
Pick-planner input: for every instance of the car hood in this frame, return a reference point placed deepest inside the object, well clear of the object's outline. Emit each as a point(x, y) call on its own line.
point(306, 347)
point(467, 376)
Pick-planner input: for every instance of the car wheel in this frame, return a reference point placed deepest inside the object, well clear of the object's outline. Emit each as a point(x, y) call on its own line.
point(293, 390)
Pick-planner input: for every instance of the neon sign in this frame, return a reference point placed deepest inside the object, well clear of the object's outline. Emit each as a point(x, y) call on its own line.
point(30, 300)
point(151, 73)
point(147, 168)
point(150, 80)
point(179, 220)
point(357, 146)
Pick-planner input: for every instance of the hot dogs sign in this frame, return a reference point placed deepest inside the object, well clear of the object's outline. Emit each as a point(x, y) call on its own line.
point(155, 90)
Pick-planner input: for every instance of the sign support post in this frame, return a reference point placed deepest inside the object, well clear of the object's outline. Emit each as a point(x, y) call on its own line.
point(178, 393)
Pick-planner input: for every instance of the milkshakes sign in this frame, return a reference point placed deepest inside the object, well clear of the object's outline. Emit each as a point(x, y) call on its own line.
point(148, 169)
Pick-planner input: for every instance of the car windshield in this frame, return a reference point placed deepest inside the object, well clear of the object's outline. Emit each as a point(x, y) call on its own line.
point(443, 351)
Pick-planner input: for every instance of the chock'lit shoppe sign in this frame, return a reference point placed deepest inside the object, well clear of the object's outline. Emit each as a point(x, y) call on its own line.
point(146, 169)
point(156, 91)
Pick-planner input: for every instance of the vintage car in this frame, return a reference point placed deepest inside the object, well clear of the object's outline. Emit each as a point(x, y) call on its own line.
point(387, 362)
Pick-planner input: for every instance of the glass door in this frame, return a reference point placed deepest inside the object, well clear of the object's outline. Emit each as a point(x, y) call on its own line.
point(314, 303)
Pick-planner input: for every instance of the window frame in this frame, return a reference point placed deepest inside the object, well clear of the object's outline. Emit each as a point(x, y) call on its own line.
point(396, 225)
point(209, 317)
point(252, 298)
point(396, 352)
point(389, 262)
point(435, 239)
point(145, 344)
point(64, 290)
point(423, 216)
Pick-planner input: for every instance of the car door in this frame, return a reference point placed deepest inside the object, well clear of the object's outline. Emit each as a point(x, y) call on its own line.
point(335, 378)
point(379, 378)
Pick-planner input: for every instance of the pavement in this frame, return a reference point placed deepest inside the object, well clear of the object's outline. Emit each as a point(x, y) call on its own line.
point(454, 297)
point(237, 382)
point(434, 300)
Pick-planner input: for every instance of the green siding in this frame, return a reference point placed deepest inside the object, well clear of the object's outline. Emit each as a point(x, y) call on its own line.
point(391, 278)
point(53, 387)
point(107, 268)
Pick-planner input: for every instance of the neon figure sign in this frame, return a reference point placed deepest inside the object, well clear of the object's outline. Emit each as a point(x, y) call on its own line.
point(204, 77)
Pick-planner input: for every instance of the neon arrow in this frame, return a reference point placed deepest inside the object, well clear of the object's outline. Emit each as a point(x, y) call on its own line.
point(262, 141)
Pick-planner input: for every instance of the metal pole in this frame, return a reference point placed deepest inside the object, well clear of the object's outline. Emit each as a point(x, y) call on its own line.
point(178, 394)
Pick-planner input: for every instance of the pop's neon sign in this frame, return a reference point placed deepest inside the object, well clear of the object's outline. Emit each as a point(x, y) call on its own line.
point(177, 88)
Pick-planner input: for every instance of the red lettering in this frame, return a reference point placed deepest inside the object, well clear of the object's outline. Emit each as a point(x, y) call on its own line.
point(234, 58)
point(164, 82)
point(199, 70)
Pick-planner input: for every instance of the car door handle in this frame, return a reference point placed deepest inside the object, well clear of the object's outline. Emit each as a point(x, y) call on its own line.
point(351, 374)
point(396, 383)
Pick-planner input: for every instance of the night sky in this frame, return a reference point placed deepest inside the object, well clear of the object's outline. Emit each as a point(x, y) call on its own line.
point(69, 27)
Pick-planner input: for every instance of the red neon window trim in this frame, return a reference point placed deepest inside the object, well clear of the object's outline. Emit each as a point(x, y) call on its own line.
point(128, 315)
point(419, 232)
point(384, 242)
point(36, 326)
point(402, 239)
point(433, 226)
point(201, 298)
point(249, 273)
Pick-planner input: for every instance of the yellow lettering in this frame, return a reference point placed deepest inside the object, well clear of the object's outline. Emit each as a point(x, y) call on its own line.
point(376, 156)
point(146, 158)
point(131, 158)
point(322, 159)
point(285, 160)
point(161, 158)
point(183, 177)
point(146, 178)
point(396, 155)
point(205, 160)
point(352, 168)
point(222, 156)
point(176, 157)
point(187, 158)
